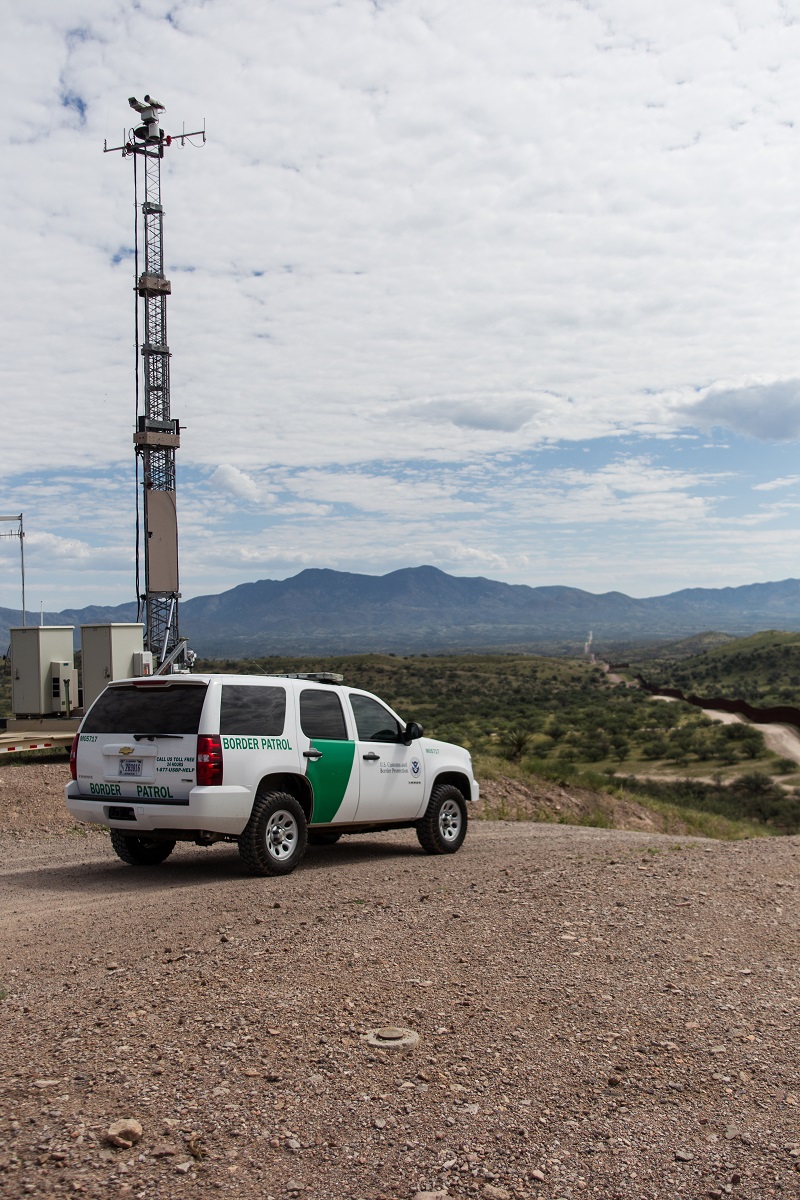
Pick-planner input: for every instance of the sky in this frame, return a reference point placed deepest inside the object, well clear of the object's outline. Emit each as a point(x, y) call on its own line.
point(509, 288)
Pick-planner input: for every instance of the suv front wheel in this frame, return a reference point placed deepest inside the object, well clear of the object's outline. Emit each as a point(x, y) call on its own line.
point(444, 826)
point(274, 839)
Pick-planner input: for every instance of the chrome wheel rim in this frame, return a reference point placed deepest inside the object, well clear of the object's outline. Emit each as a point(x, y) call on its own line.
point(282, 834)
point(449, 821)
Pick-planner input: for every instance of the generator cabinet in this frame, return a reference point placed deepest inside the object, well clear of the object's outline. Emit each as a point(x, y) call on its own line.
point(43, 678)
point(109, 652)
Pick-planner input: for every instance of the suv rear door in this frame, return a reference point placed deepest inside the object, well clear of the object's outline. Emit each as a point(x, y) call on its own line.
point(328, 749)
point(139, 740)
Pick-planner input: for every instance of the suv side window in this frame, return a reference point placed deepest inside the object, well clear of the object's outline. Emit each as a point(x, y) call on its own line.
point(374, 722)
point(247, 709)
point(321, 715)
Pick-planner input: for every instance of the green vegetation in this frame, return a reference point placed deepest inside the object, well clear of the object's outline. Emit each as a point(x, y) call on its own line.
point(763, 669)
point(538, 711)
point(525, 707)
point(561, 720)
point(752, 797)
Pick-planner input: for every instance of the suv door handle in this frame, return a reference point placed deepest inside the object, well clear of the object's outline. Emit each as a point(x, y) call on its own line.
point(312, 754)
point(373, 757)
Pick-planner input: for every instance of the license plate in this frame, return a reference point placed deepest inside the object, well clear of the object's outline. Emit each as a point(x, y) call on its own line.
point(130, 766)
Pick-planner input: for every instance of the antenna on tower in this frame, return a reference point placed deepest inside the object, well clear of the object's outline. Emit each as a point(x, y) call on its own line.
point(157, 434)
point(20, 533)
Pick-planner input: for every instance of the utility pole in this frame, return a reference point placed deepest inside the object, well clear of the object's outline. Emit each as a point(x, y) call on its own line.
point(20, 533)
point(157, 434)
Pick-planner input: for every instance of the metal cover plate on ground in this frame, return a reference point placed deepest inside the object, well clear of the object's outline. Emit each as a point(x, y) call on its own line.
point(392, 1037)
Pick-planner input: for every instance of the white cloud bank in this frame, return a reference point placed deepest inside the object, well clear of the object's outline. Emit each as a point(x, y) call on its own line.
point(419, 233)
point(769, 410)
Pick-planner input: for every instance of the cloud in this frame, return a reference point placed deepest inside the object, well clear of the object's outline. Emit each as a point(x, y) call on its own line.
point(770, 411)
point(419, 493)
point(234, 482)
point(59, 548)
point(772, 485)
point(497, 413)
point(632, 490)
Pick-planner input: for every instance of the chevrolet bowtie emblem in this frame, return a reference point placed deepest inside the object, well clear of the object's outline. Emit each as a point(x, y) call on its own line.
point(126, 749)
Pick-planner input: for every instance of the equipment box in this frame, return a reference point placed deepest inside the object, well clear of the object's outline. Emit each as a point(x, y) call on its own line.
point(42, 672)
point(109, 652)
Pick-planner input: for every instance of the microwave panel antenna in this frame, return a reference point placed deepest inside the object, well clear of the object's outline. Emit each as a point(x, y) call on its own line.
point(157, 433)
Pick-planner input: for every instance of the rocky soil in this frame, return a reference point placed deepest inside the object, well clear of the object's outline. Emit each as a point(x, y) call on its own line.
point(600, 1013)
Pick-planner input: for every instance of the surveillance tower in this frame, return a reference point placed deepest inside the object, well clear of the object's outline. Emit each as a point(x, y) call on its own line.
point(157, 433)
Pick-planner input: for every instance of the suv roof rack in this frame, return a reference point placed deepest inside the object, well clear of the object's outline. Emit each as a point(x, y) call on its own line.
point(315, 676)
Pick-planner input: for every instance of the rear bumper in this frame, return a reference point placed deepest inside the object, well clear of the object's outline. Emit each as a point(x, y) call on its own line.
point(210, 809)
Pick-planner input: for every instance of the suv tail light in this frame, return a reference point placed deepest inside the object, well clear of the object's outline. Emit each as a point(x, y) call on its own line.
point(73, 758)
point(209, 760)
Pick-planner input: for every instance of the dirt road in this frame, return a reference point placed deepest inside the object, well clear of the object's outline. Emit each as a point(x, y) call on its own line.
point(601, 1013)
point(782, 739)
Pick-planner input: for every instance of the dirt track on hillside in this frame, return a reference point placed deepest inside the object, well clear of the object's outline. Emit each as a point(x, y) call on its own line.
point(601, 1013)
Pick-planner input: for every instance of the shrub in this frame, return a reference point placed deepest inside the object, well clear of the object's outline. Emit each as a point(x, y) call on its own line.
point(514, 743)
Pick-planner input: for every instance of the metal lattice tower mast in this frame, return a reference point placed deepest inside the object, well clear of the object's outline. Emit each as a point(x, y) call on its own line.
point(157, 435)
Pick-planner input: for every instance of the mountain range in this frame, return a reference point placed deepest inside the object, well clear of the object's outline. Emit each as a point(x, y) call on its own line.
point(423, 609)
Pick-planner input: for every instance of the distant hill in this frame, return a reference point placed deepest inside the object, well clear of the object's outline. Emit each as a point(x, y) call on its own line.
point(422, 609)
point(696, 643)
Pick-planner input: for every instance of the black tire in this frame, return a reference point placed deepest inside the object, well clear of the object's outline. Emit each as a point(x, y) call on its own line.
point(139, 851)
point(274, 839)
point(323, 837)
point(444, 826)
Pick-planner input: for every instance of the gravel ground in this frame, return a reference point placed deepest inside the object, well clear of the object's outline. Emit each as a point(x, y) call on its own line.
point(600, 1012)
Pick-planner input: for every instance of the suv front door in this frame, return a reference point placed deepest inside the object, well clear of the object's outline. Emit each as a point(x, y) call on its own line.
point(392, 773)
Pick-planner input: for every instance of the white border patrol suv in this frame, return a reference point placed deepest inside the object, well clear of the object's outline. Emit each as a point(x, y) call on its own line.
point(269, 762)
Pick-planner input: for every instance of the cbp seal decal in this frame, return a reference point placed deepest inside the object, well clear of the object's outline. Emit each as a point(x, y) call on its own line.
point(416, 766)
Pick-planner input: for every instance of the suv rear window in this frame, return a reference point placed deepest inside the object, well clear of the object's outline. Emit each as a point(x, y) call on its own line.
point(321, 715)
point(252, 708)
point(154, 708)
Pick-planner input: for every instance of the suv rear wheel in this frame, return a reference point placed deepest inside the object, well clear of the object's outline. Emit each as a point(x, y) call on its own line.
point(138, 851)
point(274, 839)
point(444, 826)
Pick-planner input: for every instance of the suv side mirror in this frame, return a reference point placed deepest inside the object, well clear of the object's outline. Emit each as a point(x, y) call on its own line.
point(411, 732)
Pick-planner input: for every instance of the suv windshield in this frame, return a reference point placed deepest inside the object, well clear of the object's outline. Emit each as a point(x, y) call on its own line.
point(149, 708)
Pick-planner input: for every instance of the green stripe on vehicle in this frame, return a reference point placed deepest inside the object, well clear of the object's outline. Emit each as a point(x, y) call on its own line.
point(329, 777)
